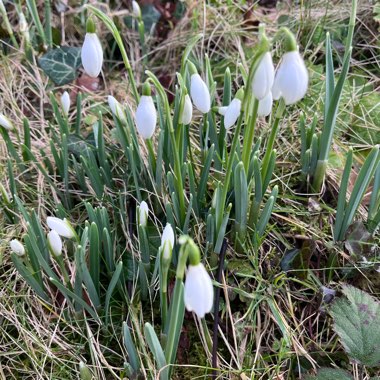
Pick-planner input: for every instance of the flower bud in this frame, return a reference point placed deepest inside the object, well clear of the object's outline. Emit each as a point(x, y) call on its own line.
point(62, 227)
point(5, 123)
point(146, 117)
point(263, 78)
point(116, 108)
point(199, 292)
point(200, 93)
point(92, 52)
point(65, 102)
point(85, 373)
point(143, 214)
point(167, 242)
point(265, 105)
point(187, 112)
point(54, 243)
point(136, 11)
point(17, 247)
point(291, 80)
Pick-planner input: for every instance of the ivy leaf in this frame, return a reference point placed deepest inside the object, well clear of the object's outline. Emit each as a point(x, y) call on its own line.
point(61, 64)
point(356, 321)
point(330, 374)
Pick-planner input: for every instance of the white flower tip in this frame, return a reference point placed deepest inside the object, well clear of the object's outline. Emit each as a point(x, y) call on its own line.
point(143, 214)
point(92, 55)
point(55, 243)
point(17, 247)
point(200, 93)
point(5, 122)
point(187, 112)
point(146, 117)
point(167, 241)
point(199, 291)
point(62, 227)
point(65, 102)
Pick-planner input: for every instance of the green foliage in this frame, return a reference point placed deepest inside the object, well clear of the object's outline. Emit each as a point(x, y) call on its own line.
point(61, 64)
point(330, 374)
point(356, 321)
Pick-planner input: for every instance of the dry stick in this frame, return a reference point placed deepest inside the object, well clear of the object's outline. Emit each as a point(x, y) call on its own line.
point(216, 309)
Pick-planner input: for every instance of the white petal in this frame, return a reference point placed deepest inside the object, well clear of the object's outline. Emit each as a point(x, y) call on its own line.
point(292, 78)
point(55, 243)
point(92, 55)
point(136, 11)
point(65, 102)
point(143, 214)
point(222, 110)
point(62, 227)
point(167, 241)
point(264, 76)
point(199, 292)
point(265, 105)
point(187, 113)
point(17, 247)
point(232, 113)
point(200, 93)
point(5, 123)
point(146, 117)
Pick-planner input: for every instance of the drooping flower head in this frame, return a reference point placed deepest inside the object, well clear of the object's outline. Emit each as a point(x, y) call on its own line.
point(54, 243)
point(92, 52)
point(17, 247)
point(199, 91)
point(167, 241)
point(61, 226)
point(146, 114)
point(65, 102)
point(5, 122)
point(187, 112)
point(291, 79)
point(143, 214)
point(232, 112)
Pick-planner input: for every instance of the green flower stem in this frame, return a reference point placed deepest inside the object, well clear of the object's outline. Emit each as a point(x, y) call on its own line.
point(319, 175)
point(116, 35)
point(177, 160)
point(273, 133)
point(249, 134)
point(235, 140)
point(65, 274)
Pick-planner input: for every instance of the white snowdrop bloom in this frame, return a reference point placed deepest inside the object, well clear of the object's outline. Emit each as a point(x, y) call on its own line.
point(92, 55)
point(167, 241)
point(291, 79)
point(5, 123)
point(265, 105)
point(65, 102)
point(62, 227)
point(199, 292)
point(17, 247)
point(187, 112)
point(143, 214)
point(146, 117)
point(232, 113)
point(263, 78)
point(199, 93)
point(136, 11)
point(55, 243)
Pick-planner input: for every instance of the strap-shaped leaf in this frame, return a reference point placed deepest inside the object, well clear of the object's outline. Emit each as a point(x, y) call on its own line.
point(130, 347)
point(111, 287)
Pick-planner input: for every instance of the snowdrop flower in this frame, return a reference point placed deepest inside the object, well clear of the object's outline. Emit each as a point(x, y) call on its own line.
point(143, 214)
point(265, 105)
point(263, 78)
point(62, 227)
point(187, 112)
point(167, 241)
point(65, 102)
point(146, 114)
point(17, 247)
point(136, 11)
point(198, 90)
point(5, 123)
point(54, 243)
point(199, 292)
point(232, 112)
point(92, 52)
point(291, 78)
point(116, 108)
point(222, 110)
